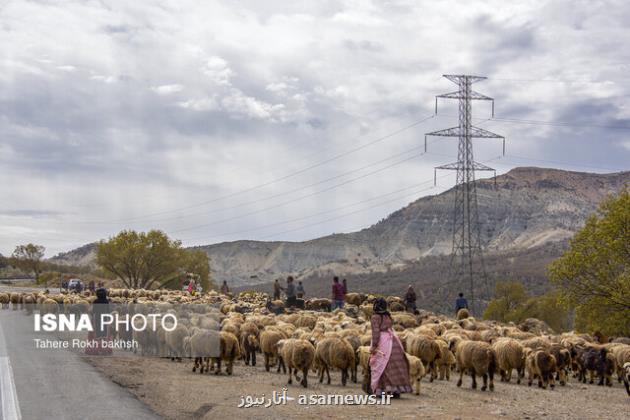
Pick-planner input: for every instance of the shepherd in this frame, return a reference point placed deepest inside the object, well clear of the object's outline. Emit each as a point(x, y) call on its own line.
point(389, 368)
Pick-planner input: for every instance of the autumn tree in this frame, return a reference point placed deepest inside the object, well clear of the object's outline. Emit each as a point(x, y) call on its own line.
point(28, 258)
point(508, 296)
point(150, 260)
point(593, 275)
point(512, 304)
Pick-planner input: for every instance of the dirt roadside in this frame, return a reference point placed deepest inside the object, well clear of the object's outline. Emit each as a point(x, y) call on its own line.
point(172, 390)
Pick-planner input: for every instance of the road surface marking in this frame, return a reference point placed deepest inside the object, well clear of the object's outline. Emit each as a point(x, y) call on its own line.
point(8, 397)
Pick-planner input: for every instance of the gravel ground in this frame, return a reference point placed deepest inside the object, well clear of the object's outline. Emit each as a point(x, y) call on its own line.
point(173, 391)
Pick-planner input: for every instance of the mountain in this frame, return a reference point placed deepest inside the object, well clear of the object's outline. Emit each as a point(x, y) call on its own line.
point(524, 209)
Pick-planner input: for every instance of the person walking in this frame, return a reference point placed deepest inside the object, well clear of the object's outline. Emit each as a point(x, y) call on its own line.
point(338, 294)
point(461, 303)
point(100, 337)
point(300, 290)
point(389, 368)
point(410, 299)
point(224, 288)
point(276, 290)
point(290, 292)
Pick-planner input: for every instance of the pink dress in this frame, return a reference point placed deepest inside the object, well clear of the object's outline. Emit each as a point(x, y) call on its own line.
point(388, 366)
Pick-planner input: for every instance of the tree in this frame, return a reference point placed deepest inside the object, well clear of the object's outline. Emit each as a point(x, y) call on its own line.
point(513, 304)
point(593, 275)
point(508, 296)
point(28, 258)
point(148, 260)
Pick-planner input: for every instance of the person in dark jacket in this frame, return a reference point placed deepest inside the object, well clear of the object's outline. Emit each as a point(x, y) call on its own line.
point(276, 290)
point(224, 288)
point(290, 292)
point(100, 306)
point(461, 303)
point(410, 299)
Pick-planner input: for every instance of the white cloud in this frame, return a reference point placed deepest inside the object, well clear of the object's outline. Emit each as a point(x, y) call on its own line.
point(218, 71)
point(167, 89)
point(273, 87)
point(201, 104)
point(67, 68)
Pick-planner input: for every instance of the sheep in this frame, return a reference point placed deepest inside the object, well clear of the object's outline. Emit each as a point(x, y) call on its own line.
point(249, 342)
point(510, 355)
point(318, 304)
point(594, 360)
point(16, 299)
point(446, 361)
point(268, 344)
point(542, 365)
point(626, 376)
point(537, 343)
point(425, 348)
point(229, 352)
point(405, 320)
point(174, 341)
point(355, 298)
point(563, 362)
point(416, 371)
point(296, 354)
point(336, 353)
point(201, 346)
point(363, 356)
point(462, 314)
point(621, 354)
point(5, 299)
point(477, 358)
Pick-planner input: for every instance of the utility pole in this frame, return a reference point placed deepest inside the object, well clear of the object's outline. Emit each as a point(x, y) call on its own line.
point(467, 264)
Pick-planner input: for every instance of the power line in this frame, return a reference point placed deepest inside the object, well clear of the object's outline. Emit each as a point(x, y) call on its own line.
point(273, 181)
point(303, 196)
point(322, 213)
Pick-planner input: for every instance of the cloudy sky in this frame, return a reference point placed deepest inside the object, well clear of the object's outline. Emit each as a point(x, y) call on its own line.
point(223, 120)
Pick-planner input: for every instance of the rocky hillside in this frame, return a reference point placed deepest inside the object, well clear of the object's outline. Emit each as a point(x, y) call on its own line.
point(528, 207)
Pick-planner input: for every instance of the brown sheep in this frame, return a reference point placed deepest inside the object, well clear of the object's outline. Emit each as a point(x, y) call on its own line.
point(229, 352)
point(355, 298)
point(510, 355)
point(336, 353)
point(268, 344)
point(5, 299)
point(15, 298)
point(296, 354)
point(416, 371)
point(477, 358)
point(363, 355)
point(446, 361)
point(542, 365)
point(462, 314)
point(563, 362)
point(249, 342)
point(425, 348)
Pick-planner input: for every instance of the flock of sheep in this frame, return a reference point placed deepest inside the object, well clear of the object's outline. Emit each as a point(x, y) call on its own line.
point(213, 328)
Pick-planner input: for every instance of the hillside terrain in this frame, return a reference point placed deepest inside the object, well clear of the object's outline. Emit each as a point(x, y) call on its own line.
point(523, 212)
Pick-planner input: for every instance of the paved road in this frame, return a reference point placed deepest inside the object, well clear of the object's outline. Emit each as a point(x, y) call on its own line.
point(55, 384)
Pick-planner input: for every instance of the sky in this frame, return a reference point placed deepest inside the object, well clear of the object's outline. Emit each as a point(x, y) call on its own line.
point(273, 120)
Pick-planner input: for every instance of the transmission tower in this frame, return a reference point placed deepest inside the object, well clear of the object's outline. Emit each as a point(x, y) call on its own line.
point(467, 264)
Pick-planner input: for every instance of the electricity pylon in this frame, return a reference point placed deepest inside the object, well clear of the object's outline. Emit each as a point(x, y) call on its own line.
point(467, 264)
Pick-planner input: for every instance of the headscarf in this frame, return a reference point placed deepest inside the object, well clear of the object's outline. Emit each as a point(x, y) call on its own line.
point(380, 307)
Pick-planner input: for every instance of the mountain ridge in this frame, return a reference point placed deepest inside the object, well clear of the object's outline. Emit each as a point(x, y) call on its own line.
point(522, 209)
